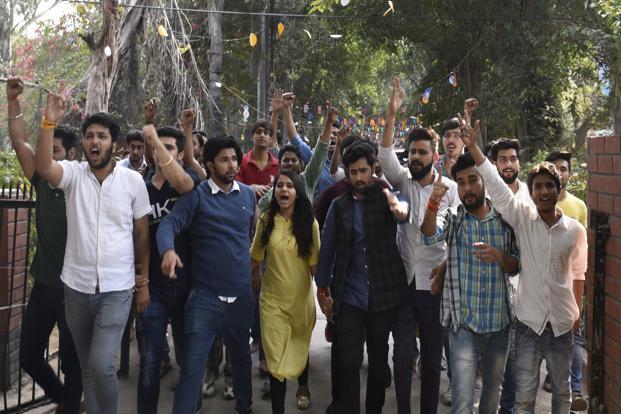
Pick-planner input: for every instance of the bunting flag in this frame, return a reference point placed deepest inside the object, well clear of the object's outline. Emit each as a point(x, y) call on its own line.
point(391, 8)
point(280, 28)
point(453, 79)
point(162, 31)
point(252, 39)
point(183, 49)
point(426, 94)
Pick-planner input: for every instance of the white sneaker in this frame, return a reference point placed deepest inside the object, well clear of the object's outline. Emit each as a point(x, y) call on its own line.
point(228, 393)
point(209, 384)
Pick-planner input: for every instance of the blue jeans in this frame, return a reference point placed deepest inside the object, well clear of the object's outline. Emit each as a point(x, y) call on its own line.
point(166, 303)
point(576, 362)
point(507, 397)
point(205, 317)
point(469, 351)
point(96, 322)
point(531, 349)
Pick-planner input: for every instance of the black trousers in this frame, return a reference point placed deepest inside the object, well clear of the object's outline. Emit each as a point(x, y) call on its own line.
point(46, 308)
point(352, 324)
point(278, 390)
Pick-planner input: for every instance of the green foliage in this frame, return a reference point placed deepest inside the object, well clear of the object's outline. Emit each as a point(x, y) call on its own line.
point(10, 170)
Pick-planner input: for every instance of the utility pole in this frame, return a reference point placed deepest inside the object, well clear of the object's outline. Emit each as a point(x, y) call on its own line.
point(266, 53)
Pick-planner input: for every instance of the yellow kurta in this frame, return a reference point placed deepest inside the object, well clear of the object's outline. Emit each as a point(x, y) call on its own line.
point(286, 306)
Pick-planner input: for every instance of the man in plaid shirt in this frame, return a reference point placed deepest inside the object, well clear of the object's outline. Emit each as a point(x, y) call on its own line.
point(475, 304)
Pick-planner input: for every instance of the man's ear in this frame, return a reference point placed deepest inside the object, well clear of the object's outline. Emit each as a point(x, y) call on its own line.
point(179, 155)
point(436, 156)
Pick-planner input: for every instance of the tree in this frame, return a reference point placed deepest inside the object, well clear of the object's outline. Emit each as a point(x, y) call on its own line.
point(104, 57)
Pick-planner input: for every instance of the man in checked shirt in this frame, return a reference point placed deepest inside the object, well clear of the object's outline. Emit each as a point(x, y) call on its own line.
point(481, 252)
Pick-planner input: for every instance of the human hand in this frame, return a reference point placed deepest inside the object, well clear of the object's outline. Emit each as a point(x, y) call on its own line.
point(57, 104)
point(468, 134)
point(397, 95)
point(277, 101)
point(439, 188)
point(288, 98)
point(141, 300)
point(470, 105)
point(187, 118)
point(150, 108)
point(325, 302)
point(170, 261)
point(14, 88)
point(487, 253)
point(256, 279)
point(437, 278)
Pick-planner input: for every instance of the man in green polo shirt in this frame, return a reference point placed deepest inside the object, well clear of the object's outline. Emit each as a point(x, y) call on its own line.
point(46, 302)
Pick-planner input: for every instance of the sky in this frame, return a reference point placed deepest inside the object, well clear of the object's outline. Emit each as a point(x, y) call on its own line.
point(53, 14)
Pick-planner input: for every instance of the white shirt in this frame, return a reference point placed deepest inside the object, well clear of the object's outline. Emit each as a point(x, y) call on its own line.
point(125, 162)
point(100, 224)
point(523, 195)
point(418, 258)
point(551, 259)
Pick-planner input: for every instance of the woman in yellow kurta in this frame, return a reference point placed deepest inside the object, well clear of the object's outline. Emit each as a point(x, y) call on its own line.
point(287, 238)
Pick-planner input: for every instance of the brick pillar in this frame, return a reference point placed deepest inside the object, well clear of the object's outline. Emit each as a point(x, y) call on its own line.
point(13, 273)
point(603, 279)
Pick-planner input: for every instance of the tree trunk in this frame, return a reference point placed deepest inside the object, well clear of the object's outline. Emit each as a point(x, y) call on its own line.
point(6, 23)
point(263, 68)
point(216, 47)
point(580, 134)
point(100, 73)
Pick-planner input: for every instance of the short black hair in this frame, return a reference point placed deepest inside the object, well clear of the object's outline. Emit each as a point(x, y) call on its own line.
point(503, 144)
point(289, 148)
point(67, 135)
point(560, 155)
point(463, 162)
point(103, 119)
point(452, 123)
point(335, 124)
point(360, 149)
point(262, 123)
point(175, 133)
point(544, 168)
point(347, 141)
point(201, 136)
point(422, 134)
point(217, 144)
point(134, 135)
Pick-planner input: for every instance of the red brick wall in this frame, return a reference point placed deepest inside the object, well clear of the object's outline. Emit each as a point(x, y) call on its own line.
point(13, 273)
point(604, 195)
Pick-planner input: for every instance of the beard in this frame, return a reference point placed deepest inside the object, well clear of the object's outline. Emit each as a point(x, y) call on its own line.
point(226, 178)
point(103, 160)
point(420, 174)
point(478, 201)
point(511, 179)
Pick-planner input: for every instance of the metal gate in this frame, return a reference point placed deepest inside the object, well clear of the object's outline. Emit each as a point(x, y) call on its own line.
point(17, 245)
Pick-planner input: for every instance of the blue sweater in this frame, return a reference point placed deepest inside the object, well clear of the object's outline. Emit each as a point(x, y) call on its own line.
point(220, 225)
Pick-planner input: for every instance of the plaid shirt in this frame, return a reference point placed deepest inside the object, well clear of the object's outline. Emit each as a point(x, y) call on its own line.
point(475, 292)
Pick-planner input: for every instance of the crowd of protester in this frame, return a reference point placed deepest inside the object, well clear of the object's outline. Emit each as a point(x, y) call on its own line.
point(452, 254)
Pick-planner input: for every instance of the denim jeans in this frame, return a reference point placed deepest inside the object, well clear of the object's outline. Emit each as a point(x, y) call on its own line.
point(205, 317)
point(576, 362)
point(166, 303)
point(421, 309)
point(96, 322)
point(507, 396)
point(470, 350)
point(531, 349)
point(46, 307)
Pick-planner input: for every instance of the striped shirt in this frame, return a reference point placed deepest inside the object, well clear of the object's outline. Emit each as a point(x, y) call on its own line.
point(475, 292)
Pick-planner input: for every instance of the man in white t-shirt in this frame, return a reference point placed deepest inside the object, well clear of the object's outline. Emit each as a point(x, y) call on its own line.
point(107, 251)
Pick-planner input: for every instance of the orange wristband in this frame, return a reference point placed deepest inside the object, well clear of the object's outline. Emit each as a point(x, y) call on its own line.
point(45, 124)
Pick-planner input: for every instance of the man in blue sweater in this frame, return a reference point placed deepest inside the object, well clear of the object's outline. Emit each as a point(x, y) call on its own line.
point(220, 214)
